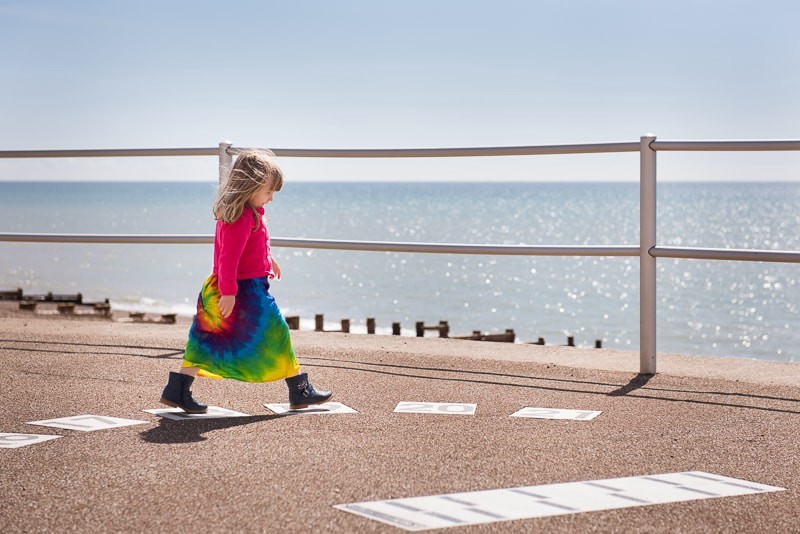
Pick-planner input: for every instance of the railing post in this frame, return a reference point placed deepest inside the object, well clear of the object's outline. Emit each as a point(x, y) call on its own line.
point(647, 263)
point(225, 161)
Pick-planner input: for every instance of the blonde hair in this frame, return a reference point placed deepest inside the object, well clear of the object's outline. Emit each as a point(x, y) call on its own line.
point(251, 171)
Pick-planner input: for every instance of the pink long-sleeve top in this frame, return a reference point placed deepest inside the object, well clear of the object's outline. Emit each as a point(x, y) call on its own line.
point(241, 250)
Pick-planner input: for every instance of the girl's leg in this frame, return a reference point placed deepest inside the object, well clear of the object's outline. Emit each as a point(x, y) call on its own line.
point(191, 371)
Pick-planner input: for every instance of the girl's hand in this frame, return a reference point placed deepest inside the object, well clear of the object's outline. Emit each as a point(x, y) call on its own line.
point(226, 303)
point(276, 269)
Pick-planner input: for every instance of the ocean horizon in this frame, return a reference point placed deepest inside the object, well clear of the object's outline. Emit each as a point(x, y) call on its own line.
point(716, 308)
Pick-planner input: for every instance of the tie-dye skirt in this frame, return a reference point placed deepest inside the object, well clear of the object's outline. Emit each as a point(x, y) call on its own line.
point(253, 344)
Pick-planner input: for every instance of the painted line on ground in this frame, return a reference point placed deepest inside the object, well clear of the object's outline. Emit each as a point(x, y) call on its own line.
point(10, 440)
point(556, 413)
point(214, 412)
point(87, 423)
point(478, 507)
point(441, 408)
point(319, 409)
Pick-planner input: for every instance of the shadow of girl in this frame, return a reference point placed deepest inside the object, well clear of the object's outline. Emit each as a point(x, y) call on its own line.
point(193, 430)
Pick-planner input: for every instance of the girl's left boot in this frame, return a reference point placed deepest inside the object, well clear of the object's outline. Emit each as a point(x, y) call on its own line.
point(302, 393)
point(178, 394)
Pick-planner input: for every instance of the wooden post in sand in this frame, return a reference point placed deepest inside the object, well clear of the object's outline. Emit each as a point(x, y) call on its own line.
point(443, 328)
point(66, 308)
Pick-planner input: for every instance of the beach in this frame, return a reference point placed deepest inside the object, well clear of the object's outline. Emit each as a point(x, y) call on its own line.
point(266, 472)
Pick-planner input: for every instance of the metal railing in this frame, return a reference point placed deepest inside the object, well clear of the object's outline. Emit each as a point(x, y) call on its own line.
point(648, 250)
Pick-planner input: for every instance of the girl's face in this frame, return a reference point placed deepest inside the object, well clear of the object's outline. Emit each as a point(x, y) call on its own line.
point(261, 197)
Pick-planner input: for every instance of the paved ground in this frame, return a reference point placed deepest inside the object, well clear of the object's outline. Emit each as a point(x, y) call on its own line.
point(267, 473)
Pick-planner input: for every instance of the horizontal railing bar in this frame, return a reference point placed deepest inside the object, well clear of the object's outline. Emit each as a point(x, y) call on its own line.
point(591, 148)
point(451, 152)
point(109, 153)
point(441, 248)
point(782, 256)
point(333, 153)
point(330, 244)
point(459, 248)
point(133, 239)
point(710, 146)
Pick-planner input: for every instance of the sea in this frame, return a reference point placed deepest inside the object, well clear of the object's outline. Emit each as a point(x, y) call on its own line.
point(705, 308)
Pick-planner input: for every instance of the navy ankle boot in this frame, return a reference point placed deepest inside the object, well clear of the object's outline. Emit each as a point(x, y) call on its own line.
point(302, 393)
point(178, 395)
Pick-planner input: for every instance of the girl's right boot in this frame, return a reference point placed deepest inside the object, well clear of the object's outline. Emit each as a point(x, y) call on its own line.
point(178, 395)
point(302, 393)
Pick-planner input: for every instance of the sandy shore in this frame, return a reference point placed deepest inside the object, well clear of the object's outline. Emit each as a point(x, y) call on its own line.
point(735, 369)
point(268, 473)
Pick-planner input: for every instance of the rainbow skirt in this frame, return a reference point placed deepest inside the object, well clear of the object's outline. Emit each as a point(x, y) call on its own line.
point(253, 344)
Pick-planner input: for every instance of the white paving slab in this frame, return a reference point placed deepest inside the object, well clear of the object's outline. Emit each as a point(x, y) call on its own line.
point(440, 408)
point(462, 509)
point(556, 413)
point(214, 412)
point(14, 441)
point(88, 423)
point(321, 409)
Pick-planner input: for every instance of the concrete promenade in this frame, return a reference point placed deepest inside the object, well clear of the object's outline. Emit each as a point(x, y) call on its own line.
point(272, 473)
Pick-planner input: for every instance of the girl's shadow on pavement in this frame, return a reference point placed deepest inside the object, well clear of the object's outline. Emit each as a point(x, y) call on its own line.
point(193, 430)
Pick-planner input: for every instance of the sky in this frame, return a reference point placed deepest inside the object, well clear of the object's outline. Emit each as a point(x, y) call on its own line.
point(399, 74)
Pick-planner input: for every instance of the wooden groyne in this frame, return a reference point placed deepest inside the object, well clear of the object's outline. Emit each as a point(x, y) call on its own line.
point(74, 305)
point(442, 328)
point(64, 304)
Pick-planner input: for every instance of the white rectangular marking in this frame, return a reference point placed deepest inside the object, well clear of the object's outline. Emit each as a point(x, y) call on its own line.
point(14, 441)
point(214, 412)
point(442, 408)
point(325, 408)
point(478, 507)
point(556, 413)
point(87, 423)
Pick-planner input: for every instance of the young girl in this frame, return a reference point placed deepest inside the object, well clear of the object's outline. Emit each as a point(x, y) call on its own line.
point(239, 331)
